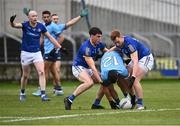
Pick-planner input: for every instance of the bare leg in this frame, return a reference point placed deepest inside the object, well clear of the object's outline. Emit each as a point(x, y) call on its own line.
point(40, 69)
point(25, 76)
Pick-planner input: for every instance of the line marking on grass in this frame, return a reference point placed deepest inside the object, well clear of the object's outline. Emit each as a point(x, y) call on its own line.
point(18, 119)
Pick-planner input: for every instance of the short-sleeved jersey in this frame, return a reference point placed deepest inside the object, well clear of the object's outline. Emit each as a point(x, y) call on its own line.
point(131, 45)
point(62, 27)
point(112, 61)
point(87, 49)
point(54, 31)
point(31, 36)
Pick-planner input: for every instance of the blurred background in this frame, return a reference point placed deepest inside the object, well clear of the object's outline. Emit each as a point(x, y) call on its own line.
point(154, 22)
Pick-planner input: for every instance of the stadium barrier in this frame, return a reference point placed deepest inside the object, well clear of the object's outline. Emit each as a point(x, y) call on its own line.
point(163, 68)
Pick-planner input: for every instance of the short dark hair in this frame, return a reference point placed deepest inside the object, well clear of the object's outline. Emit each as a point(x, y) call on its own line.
point(54, 15)
point(46, 12)
point(94, 31)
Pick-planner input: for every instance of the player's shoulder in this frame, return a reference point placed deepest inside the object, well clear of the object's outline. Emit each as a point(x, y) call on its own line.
point(25, 23)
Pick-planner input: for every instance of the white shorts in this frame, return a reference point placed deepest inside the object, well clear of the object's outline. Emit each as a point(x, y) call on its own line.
point(31, 57)
point(145, 63)
point(76, 70)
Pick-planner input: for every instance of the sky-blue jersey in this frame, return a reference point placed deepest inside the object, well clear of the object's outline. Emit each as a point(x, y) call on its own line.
point(54, 31)
point(62, 27)
point(112, 61)
point(131, 45)
point(87, 49)
point(31, 36)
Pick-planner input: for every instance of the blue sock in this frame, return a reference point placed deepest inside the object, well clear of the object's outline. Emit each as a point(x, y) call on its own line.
point(140, 101)
point(125, 94)
point(117, 101)
point(97, 102)
point(22, 91)
point(72, 97)
point(42, 92)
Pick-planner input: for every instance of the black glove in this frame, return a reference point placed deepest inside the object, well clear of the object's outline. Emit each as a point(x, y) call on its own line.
point(97, 56)
point(127, 61)
point(54, 51)
point(64, 50)
point(12, 18)
point(131, 80)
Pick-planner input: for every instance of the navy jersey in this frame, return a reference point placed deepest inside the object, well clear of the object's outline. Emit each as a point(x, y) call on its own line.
point(87, 49)
point(31, 36)
point(112, 61)
point(131, 45)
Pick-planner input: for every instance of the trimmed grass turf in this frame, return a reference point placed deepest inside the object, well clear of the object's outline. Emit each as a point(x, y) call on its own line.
point(158, 94)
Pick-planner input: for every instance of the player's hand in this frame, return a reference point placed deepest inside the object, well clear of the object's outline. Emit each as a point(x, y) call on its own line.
point(97, 56)
point(12, 18)
point(26, 11)
point(84, 12)
point(64, 50)
point(131, 80)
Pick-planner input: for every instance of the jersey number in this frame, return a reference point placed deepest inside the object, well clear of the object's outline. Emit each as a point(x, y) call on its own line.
point(110, 61)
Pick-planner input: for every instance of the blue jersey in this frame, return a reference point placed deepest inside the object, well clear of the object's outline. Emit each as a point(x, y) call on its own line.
point(31, 36)
point(112, 61)
point(131, 45)
point(54, 30)
point(62, 27)
point(87, 49)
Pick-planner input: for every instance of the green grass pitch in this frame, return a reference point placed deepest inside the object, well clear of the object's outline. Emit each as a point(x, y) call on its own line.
point(161, 97)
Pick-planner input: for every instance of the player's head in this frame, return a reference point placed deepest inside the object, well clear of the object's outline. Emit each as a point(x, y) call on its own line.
point(55, 18)
point(95, 35)
point(32, 15)
point(117, 37)
point(112, 78)
point(46, 16)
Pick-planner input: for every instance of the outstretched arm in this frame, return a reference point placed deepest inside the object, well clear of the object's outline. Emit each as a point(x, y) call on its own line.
point(13, 24)
point(73, 21)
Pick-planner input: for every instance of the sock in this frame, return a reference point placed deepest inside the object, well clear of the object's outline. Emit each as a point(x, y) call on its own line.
point(97, 102)
point(71, 97)
point(133, 99)
point(117, 101)
point(140, 101)
point(125, 94)
point(42, 93)
point(22, 91)
point(57, 87)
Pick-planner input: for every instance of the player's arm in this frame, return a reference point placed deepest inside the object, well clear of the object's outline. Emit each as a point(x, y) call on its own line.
point(105, 49)
point(13, 24)
point(92, 66)
point(53, 40)
point(60, 38)
point(112, 48)
point(73, 21)
point(41, 39)
point(134, 58)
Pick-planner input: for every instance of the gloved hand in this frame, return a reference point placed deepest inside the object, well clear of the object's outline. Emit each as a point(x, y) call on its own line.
point(26, 11)
point(97, 56)
point(84, 12)
point(54, 51)
point(131, 80)
point(12, 18)
point(64, 50)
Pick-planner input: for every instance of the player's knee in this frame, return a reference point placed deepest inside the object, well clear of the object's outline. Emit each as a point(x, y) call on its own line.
point(25, 76)
point(90, 82)
point(41, 73)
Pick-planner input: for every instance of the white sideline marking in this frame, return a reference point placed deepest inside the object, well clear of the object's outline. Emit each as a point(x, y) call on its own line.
point(78, 115)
